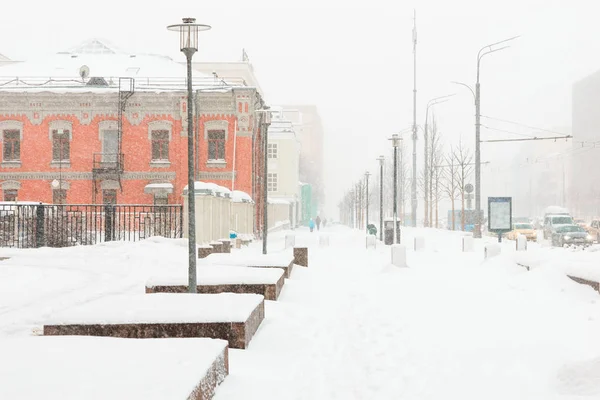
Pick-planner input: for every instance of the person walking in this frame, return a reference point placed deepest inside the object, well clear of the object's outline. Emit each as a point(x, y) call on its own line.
point(318, 221)
point(311, 224)
point(324, 222)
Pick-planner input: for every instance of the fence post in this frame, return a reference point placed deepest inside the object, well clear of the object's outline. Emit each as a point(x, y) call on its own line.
point(109, 223)
point(40, 238)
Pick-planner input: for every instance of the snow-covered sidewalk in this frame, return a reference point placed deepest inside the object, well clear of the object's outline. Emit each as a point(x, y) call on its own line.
point(450, 326)
point(351, 326)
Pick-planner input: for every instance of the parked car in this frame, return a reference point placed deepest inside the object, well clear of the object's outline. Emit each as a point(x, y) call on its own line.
point(594, 229)
point(554, 221)
point(569, 235)
point(525, 229)
point(580, 222)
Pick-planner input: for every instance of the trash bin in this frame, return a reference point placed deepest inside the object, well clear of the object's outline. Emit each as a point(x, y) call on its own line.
point(388, 231)
point(372, 229)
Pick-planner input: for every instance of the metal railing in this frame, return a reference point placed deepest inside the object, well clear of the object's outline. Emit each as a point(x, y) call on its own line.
point(43, 225)
point(199, 82)
point(109, 162)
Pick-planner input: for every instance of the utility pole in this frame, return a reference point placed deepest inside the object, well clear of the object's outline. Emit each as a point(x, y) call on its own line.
point(381, 160)
point(414, 171)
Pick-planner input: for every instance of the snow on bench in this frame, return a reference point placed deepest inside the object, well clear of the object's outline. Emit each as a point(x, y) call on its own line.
point(232, 317)
point(75, 368)
point(247, 259)
point(223, 279)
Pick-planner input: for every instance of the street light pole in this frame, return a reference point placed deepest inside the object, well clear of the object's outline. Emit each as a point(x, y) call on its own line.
point(381, 160)
point(395, 143)
point(482, 52)
point(266, 122)
point(188, 44)
point(367, 174)
point(430, 103)
point(414, 131)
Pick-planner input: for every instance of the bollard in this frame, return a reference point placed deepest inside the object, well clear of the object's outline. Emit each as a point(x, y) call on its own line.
point(539, 236)
point(290, 240)
point(226, 245)
point(419, 243)
point(399, 255)
point(324, 241)
point(521, 243)
point(301, 256)
point(238, 243)
point(491, 250)
point(371, 241)
point(468, 243)
point(204, 251)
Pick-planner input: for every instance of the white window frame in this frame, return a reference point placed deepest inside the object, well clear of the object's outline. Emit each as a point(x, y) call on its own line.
point(272, 150)
point(272, 182)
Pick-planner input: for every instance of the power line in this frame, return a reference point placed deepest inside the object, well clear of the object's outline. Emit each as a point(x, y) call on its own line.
point(526, 139)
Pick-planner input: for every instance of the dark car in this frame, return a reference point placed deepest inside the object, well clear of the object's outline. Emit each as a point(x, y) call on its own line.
point(571, 235)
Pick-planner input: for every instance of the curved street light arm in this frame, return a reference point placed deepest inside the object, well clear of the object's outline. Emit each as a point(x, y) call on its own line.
point(465, 85)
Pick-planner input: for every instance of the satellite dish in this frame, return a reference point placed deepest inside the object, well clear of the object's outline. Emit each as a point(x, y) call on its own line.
point(84, 71)
point(55, 184)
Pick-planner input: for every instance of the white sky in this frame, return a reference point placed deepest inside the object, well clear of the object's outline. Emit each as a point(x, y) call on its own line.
point(353, 59)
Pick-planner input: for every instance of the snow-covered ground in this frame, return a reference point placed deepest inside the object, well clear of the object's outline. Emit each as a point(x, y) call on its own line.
point(351, 326)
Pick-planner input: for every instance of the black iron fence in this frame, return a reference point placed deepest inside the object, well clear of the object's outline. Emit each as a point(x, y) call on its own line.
point(42, 225)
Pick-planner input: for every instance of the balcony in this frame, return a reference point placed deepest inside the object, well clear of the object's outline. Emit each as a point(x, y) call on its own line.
point(108, 165)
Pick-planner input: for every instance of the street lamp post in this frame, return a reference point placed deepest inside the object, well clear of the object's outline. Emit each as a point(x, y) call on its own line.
point(430, 103)
point(266, 122)
point(395, 143)
point(367, 174)
point(381, 160)
point(482, 52)
point(188, 44)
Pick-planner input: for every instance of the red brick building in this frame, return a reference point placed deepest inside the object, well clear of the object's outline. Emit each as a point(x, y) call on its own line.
point(119, 133)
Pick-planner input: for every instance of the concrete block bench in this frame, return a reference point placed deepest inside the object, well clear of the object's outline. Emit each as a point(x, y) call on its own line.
point(227, 316)
point(591, 283)
point(73, 368)
point(267, 282)
point(283, 261)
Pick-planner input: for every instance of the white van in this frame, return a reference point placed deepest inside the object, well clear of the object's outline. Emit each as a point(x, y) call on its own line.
point(553, 221)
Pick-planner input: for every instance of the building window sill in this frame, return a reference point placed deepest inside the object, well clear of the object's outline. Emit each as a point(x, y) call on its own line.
point(160, 163)
point(60, 164)
point(216, 164)
point(10, 164)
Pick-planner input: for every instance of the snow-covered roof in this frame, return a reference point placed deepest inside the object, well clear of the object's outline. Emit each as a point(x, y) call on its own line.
point(209, 188)
point(61, 71)
point(95, 46)
point(237, 196)
point(271, 200)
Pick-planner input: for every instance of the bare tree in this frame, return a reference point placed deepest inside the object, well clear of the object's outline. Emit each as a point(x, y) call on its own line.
point(464, 160)
point(450, 182)
point(435, 161)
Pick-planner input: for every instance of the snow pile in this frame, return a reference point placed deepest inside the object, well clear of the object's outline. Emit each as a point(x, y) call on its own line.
point(210, 188)
point(237, 196)
point(160, 308)
point(221, 275)
point(248, 259)
point(75, 368)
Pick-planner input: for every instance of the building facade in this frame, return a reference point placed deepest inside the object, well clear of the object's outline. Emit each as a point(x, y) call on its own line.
point(283, 153)
point(118, 132)
point(309, 128)
point(584, 189)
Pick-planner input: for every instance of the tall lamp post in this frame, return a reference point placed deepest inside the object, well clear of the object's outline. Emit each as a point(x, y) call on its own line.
point(484, 51)
point(430, 103)
point(367, 174)
point(188, 44)
point(381, 160)
point(395, 143)
point(266, 122)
